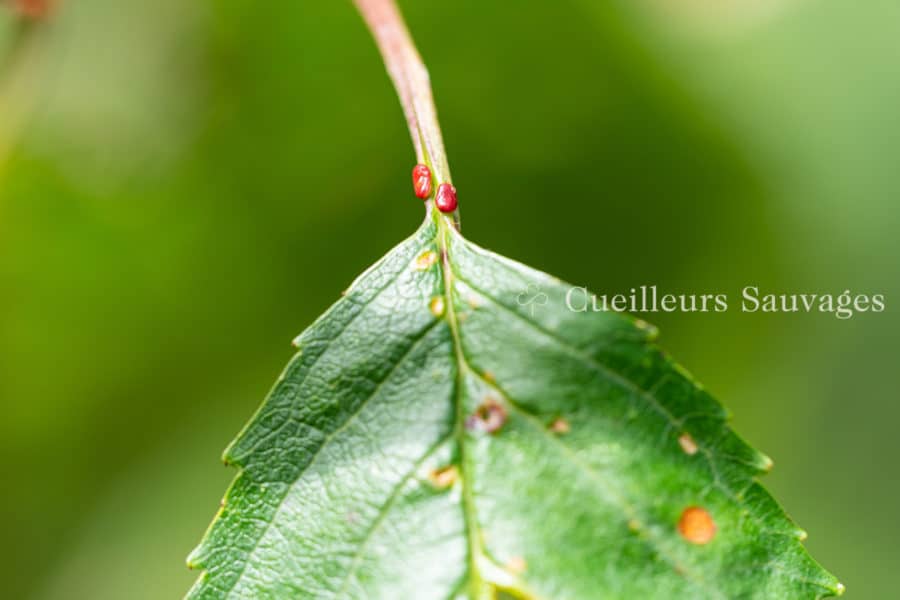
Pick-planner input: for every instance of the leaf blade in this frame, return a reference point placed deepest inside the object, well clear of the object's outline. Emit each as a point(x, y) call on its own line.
point(336, 497)
point(226, 555)
point(634, 365)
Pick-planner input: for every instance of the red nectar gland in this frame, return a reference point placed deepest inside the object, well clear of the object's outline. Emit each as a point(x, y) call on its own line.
point(446, 198)
point(421, 176)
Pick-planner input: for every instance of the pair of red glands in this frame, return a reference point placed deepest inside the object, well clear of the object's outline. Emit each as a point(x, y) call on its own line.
point(445, 199)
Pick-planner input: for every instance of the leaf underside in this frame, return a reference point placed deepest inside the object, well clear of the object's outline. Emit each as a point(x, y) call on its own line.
point(440, 436)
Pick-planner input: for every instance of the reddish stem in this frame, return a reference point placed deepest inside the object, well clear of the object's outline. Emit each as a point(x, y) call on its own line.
point(410, 77)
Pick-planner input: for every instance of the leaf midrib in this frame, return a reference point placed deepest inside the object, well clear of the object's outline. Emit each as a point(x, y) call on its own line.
point(477, 585)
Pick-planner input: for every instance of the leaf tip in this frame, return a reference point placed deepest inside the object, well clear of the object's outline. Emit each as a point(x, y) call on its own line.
point(194, 560)
point(228, 457)
point(650, 331)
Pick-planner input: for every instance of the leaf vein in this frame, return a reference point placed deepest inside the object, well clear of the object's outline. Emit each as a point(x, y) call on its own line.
point(350, 419)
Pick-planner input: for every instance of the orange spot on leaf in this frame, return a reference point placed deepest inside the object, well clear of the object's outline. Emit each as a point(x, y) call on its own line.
point(489, 417)
point(426, 260)
point(516, 565)
point(687, 444)
point(696, 525)
point(560, 426)
point(444, 477)
point(436, 306)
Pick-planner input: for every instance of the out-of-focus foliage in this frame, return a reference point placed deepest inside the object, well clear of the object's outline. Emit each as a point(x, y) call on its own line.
point(184, 186)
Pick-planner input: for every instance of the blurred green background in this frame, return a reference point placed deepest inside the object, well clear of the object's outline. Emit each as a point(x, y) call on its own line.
point(184, 186)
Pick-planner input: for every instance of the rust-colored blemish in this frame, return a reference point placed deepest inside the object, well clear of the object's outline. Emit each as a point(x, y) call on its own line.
point(696, 525)
point(687, 444)
point(436, 306)
point(516, 565)
point(560, 426)
point(444, 477)
point(489, 377)
point(488, 417)
point(426, 260)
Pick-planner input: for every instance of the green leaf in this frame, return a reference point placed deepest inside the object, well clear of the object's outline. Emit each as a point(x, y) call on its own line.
point(451, 429)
